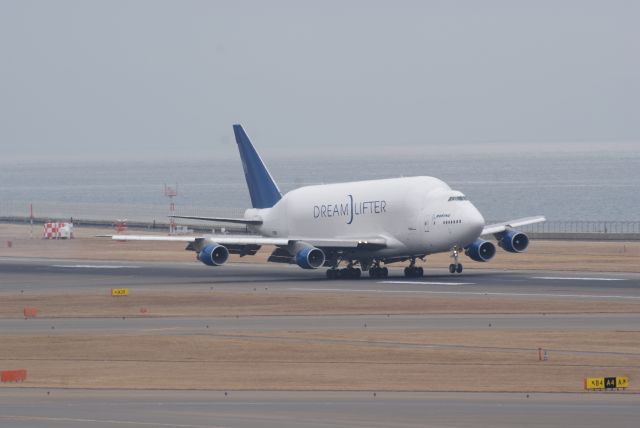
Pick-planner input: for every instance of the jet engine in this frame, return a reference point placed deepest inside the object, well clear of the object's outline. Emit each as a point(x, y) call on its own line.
point(310, 258)
point(481, 250)
point(513, 241)
point(214, 255)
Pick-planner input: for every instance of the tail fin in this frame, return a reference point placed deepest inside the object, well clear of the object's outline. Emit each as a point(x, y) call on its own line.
point(263, 190)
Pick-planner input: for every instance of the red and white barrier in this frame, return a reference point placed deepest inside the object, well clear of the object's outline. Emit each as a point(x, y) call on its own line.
point(58, 230)
point(13, 375)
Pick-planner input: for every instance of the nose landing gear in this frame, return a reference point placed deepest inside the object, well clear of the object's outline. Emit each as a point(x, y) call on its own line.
point(455, 267)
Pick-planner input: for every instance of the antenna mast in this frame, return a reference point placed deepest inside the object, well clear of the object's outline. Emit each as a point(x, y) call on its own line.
point(171, 192)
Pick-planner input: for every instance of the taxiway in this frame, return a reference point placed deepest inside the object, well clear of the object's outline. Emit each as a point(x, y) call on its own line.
point(52, 407)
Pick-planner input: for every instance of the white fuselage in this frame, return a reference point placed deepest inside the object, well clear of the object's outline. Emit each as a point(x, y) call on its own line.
point(415, 215)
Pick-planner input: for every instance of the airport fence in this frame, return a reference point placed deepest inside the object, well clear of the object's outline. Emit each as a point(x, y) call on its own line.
point(148, 216)
point(146, 213)
point(604, 227)
point(109, 212)
point(584, 230)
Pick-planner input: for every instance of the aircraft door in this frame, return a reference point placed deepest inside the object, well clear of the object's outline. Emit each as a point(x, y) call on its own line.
point(427, 221)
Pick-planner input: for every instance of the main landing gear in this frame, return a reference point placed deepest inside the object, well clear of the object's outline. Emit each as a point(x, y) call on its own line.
point(349, 272)
point(412, 271)
point(455, 266)
point(346, 273)
point(378, 272)
point(375, 271)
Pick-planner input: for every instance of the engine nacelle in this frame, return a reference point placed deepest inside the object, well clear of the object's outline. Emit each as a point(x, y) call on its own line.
point(310, 258)
point(214, 255)
point(481, 250)
point(513, 241)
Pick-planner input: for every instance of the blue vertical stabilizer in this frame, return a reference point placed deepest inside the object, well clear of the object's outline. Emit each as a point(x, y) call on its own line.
point(263, 190)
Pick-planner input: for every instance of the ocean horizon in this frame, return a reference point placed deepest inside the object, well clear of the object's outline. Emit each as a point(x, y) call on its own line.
point(592, 185)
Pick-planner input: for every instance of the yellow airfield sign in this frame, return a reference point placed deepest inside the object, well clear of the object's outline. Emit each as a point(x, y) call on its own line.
point(620, 382)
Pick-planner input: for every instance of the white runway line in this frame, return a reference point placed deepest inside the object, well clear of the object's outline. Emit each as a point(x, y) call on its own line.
point(100, 421)
point(96, 266)
point(426, 283)
point(577, 279)
point(467, 293)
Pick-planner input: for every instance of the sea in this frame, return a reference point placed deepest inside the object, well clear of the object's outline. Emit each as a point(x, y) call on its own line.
point(601, 184)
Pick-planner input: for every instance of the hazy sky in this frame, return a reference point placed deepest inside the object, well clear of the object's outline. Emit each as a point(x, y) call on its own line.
point(97, 79)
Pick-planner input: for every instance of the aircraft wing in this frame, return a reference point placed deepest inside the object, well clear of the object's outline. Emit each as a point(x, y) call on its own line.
point(239, 240)
point(501, 227)
point(256, 222)
point(219, 239)
point(369, 243)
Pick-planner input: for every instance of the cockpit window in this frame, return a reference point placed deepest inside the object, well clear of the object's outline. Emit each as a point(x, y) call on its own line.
point(457, 198)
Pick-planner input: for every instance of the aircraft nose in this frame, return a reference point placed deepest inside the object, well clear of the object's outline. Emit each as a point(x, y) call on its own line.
point(475, 220)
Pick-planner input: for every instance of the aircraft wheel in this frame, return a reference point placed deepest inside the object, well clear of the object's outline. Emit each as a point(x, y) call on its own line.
point(452, 268)
point(413, 272)
point(459, 268)
point(378, 272)
point(357, 273)
point(348, 273)
point(331, 274)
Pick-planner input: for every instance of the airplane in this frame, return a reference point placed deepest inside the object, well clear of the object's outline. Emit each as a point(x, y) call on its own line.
point(363, 225)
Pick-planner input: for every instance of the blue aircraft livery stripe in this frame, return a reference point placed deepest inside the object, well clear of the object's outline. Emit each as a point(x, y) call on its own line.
point(263, 190)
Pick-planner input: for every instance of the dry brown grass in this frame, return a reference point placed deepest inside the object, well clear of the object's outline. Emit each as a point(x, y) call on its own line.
point(421, 361)
point(232, 303)
point(479, 360)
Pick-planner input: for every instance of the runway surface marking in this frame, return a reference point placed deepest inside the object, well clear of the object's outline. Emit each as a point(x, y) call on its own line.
point(467, 293)
point(427, 282)
point(96, 266)
point(102, 421)
point(577, 279)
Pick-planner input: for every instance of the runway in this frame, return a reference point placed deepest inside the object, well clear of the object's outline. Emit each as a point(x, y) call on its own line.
point(51, 407)
point(266, 409)
point(203, 325)
point(63, 275)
